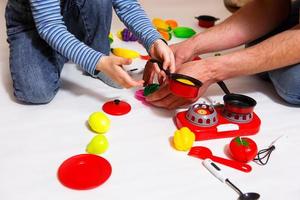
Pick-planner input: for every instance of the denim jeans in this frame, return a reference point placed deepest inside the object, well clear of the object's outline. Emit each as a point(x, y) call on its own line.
point(35, 67)
point(286, 81)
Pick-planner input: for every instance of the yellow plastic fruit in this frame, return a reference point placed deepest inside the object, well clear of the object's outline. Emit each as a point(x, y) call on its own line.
point(185, 81)
point(99, 144)
point(183, 139)
point(99, 122)
point(119, 35)
point(125, 53)
point(160, 24)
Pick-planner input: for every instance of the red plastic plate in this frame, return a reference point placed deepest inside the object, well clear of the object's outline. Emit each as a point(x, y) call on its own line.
point(84, 171)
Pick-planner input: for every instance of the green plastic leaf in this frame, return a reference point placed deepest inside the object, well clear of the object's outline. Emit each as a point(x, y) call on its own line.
point(183, 32)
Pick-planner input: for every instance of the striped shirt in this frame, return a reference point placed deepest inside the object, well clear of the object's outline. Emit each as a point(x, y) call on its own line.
point(50, 25)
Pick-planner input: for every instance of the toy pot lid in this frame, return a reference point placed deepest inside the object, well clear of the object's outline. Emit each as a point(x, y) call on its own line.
point(116, 107)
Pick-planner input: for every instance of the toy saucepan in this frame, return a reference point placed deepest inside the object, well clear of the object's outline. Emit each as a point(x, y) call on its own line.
point(237, 103)
point(181, 85)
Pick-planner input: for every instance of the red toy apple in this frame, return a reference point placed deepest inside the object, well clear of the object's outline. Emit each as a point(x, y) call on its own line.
point(243, 149)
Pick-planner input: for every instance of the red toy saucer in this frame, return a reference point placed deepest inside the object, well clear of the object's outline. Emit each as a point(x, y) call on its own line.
point(116, 107)
point(84, 171)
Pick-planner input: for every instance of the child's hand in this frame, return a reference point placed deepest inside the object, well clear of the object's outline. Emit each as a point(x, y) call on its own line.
point(112, 66)
point(161, 51)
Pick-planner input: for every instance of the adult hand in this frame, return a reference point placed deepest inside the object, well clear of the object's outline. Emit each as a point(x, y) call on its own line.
point(201, 70)
point(184, 51)
point(112, 66)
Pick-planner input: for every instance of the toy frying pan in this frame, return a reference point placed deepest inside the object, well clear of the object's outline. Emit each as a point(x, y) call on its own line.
point(181, 85)
point(237, 103)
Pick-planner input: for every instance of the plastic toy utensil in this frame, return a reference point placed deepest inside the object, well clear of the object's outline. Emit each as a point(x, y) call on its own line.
point(116, 107)
point(84, 171)
point(203, 153)
point(216, 171)
point(184, 32)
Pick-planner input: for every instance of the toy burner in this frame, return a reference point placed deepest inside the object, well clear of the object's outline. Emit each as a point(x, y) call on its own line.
point(218, 121)
point(202, 115)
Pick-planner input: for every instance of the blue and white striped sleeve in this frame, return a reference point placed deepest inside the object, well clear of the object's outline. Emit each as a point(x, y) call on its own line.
point(136, 20)
point(50, 25)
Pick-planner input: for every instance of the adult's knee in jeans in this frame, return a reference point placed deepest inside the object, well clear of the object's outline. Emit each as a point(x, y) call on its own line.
point(287, 86)
point(35, 95)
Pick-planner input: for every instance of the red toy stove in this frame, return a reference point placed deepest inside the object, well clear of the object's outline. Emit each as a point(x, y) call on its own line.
point(213, 122)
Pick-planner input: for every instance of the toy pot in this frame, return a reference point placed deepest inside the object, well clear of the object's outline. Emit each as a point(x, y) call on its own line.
point(206, 21)
point(237, 103)
point(181, 85)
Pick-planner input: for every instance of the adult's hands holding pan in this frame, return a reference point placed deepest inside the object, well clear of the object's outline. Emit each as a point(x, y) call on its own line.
point(166, 99)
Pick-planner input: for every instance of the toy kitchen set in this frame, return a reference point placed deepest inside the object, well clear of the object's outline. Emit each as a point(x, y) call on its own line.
point(233, 118)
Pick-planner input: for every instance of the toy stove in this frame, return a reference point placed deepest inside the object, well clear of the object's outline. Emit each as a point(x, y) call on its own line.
point(213, 122)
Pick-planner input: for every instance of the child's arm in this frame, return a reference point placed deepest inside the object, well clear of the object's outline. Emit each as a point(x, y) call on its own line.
point(51, 28)
point(135, 18)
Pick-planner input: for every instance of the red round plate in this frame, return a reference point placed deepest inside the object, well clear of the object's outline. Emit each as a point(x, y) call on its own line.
point(84, 171)
point(116, 107)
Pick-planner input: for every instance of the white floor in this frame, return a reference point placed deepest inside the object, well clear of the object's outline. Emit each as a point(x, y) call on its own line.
point(35, 140)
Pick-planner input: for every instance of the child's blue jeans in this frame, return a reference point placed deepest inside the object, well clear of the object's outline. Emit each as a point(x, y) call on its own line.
point(35, 67)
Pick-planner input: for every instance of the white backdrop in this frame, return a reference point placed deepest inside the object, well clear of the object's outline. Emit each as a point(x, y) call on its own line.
point(35, 140)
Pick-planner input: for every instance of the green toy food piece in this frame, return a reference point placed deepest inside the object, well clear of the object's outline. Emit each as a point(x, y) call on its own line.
point(184, 32)
point(99, 144)
point(149, 89)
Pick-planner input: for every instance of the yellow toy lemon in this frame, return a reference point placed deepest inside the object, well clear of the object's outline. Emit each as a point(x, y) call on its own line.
point(125, 53)
point(99, 122)
point(99, 144)
point(160, 24)
point(183, 139)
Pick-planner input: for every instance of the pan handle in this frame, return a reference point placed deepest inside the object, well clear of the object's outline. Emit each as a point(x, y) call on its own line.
point(223, 87)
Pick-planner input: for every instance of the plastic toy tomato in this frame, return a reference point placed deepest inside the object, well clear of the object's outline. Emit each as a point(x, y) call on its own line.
point(243, 149)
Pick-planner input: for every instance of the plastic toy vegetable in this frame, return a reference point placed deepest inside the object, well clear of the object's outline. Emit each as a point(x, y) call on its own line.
point(160, 24)
point(149, 89)
point(99, 122)
point(183, 139)
point(172, 23)
point(127, 35)
point(98, 145)
point(166, 35)
point(111, 38)
point(243, 149)
point(125, 53)
point(184, 32)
